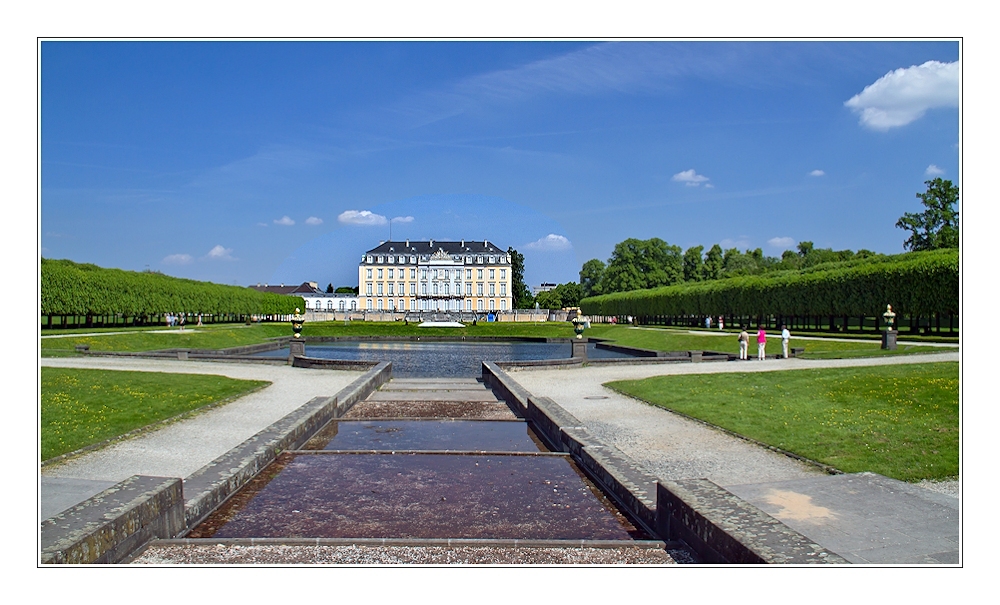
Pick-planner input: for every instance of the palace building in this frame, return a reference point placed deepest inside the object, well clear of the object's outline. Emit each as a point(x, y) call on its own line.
point(435, 276)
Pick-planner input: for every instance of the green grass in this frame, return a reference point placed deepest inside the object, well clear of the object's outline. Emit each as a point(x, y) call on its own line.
point(900, 421)
point(239, 335)
point(232, 335)
point(84, 407)
point(665, 339)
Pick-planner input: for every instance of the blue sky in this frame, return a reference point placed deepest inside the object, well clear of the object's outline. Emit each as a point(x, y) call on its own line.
point(247, 162)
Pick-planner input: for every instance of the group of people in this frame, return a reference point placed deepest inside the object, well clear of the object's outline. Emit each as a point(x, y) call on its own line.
point(744, 339)
point(175, 320)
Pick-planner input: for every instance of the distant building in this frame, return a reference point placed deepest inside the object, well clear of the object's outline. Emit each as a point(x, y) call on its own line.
point(315, 299)
point(434, 275)
point(545, 287)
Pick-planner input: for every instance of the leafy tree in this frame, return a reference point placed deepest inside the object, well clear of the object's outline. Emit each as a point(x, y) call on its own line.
point(590, 277)
point(549, 300)
point(570, 293)
point(345, 290)
point(714, 263)
point(937, 225)
point(329, 288)
point(805, 248)
point(638, 264)
point(694, 266)
point(738, 263)
point(519, 291)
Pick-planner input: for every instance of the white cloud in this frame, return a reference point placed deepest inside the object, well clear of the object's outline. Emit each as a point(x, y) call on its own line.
point(402, 219)
point(781, 242)
point(262, 224)
point(361, 217)
point(933, 170)
point(178, 259)
point(313, 220)
point(817, 173)
point(905, 95)
point(221, 253)
point(550, 242)
point(285, 220)
point(690, 178)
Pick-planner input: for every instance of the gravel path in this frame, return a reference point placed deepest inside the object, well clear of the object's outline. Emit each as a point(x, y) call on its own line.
point(671, 446)
point(181, 448)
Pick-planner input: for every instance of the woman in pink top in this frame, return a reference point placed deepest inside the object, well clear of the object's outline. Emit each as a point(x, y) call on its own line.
point(761, 342)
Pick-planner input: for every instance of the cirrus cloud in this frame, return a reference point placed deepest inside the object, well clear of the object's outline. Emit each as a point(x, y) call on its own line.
point(550, 243)
point(904, 95)
point(361, 217)
point(690, 178)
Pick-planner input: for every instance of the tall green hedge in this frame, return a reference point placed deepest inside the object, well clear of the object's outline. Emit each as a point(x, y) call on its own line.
point(70, 288)
point(920, 283)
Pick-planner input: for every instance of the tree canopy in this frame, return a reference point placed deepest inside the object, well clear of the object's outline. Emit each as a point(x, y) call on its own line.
point(522, 298)
point(937, 226)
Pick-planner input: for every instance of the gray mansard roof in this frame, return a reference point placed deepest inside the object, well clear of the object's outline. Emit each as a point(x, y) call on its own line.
point(430, 247)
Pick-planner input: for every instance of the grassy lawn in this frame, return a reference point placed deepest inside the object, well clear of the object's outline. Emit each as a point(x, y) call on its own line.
point(900, 421)
point(232, 335)
point(238, 335)
point(84, 407)
point(659, 339)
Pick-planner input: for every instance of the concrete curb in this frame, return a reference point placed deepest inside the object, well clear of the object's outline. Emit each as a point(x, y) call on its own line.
point(111, 525)
point(449, 542)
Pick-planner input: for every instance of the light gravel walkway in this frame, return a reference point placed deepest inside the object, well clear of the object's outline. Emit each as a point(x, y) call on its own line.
point(671, 446)
point(181, 448)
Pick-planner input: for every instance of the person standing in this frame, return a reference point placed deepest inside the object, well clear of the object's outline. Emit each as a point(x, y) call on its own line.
point(785, 335)
point(744, 342)
point(761, 342)
point(708, 323)
point(721, 325)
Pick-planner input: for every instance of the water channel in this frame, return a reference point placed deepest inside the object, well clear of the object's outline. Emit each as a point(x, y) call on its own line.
point(425, 458)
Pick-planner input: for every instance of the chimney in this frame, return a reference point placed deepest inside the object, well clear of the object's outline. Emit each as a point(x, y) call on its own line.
point(463, 243)
point(282, 284)
point(432, 243)
point(407, 243)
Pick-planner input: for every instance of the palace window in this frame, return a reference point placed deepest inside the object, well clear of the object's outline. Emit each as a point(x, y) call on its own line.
point(468, 304)
point(479, 289)
point(493, 289)
point(380, 274)
point(479, 260)
point(390, 273)
point(342, 305)
point(503, 274)
point(369, 301)
point(380, 261)
point(479, 304)
point(369, 273)
point(402, 304)
point(413, 273)
point(413, 304)
point(413, 288)
point(479, 273)
point(390, 289)
point(493, 259)
point(503, 289)
point(368, 289)
point(446, 289)
point(380, 307)
point(380, 288)
point(503, 305)
point(468, 274)
point(493, 273)
point(368, 260)
point(493, 304)
point(423, 289)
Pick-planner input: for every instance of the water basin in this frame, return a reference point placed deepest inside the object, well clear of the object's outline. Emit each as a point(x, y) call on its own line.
point(436, 435)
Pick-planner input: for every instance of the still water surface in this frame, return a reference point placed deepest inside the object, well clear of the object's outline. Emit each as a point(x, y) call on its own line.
point(445, 359)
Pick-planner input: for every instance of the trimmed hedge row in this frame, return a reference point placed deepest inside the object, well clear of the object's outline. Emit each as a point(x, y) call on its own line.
point(920, 283)
point(70, 288)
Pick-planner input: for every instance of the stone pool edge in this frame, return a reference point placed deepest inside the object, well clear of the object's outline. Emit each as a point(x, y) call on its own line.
point(716, 524)
point(118, 523)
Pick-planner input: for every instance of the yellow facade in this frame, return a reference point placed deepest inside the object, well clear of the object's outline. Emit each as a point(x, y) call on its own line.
point(435, 276)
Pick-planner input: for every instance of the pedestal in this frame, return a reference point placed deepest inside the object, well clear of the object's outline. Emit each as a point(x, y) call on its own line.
point(889, 339)
point(580, 349)
point(695, 356)
point(296, 348)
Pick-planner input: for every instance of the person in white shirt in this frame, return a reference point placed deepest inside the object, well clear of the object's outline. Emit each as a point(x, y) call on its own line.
point(785, 335)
